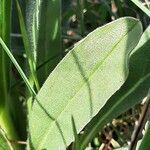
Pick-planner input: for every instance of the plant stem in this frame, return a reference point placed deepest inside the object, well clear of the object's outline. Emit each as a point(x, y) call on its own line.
point(80, 15)
point(5, 6)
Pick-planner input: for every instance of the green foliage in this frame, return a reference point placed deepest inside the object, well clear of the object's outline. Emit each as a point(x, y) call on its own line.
point(44, 29)
point(4, 62)
point(29, 53)
point(5, 116)
point(99, 79)
point(145, 144)
point(4, 142)
point(132, 92)
point(143, 8)
point(25, 79)
point(81, 84)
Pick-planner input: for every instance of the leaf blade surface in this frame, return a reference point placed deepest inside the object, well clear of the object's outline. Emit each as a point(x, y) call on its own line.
point(132, 92)
point(82, 83)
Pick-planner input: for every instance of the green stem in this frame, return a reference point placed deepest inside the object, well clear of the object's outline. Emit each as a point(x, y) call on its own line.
point(80, 15)
point(25, 79)
point(4, 62)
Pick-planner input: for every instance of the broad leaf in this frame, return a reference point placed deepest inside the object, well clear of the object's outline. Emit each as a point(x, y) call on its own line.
point(82, 83)
point(131, 93)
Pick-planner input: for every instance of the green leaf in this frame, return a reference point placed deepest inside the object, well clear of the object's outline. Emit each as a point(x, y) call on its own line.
point(131, 93)
point(5, 117)
point(5, 7)
point(14, 61)
point(145, 144)
point(44, 29)
point(29, 53)
point(4, 142)
point(142, 7)
point(82, 83)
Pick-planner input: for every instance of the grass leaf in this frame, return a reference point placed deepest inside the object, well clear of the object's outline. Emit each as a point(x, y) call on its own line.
point(5, 7)
point(5, 116)
point(12, 58)
point(141, 6)
point(44, 29)
point(29, 53)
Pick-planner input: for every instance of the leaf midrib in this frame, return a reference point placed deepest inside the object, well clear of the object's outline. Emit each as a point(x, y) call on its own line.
point(94, 70)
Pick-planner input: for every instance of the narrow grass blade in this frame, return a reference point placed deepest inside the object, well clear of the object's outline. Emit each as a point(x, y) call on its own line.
point(29, 52)
point(44, 29)
point(5, 116)
point(5, 8)
point(4, 142)
point(141, 6)
point(80, 15)
point(76, 143)
point(25, 79)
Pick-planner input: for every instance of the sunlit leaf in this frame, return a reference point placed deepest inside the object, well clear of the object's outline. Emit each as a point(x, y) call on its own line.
point(82, 83)
point(131, 93)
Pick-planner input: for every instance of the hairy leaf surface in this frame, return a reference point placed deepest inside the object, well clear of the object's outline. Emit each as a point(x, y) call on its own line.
point(131, 93)
point(82, 83)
